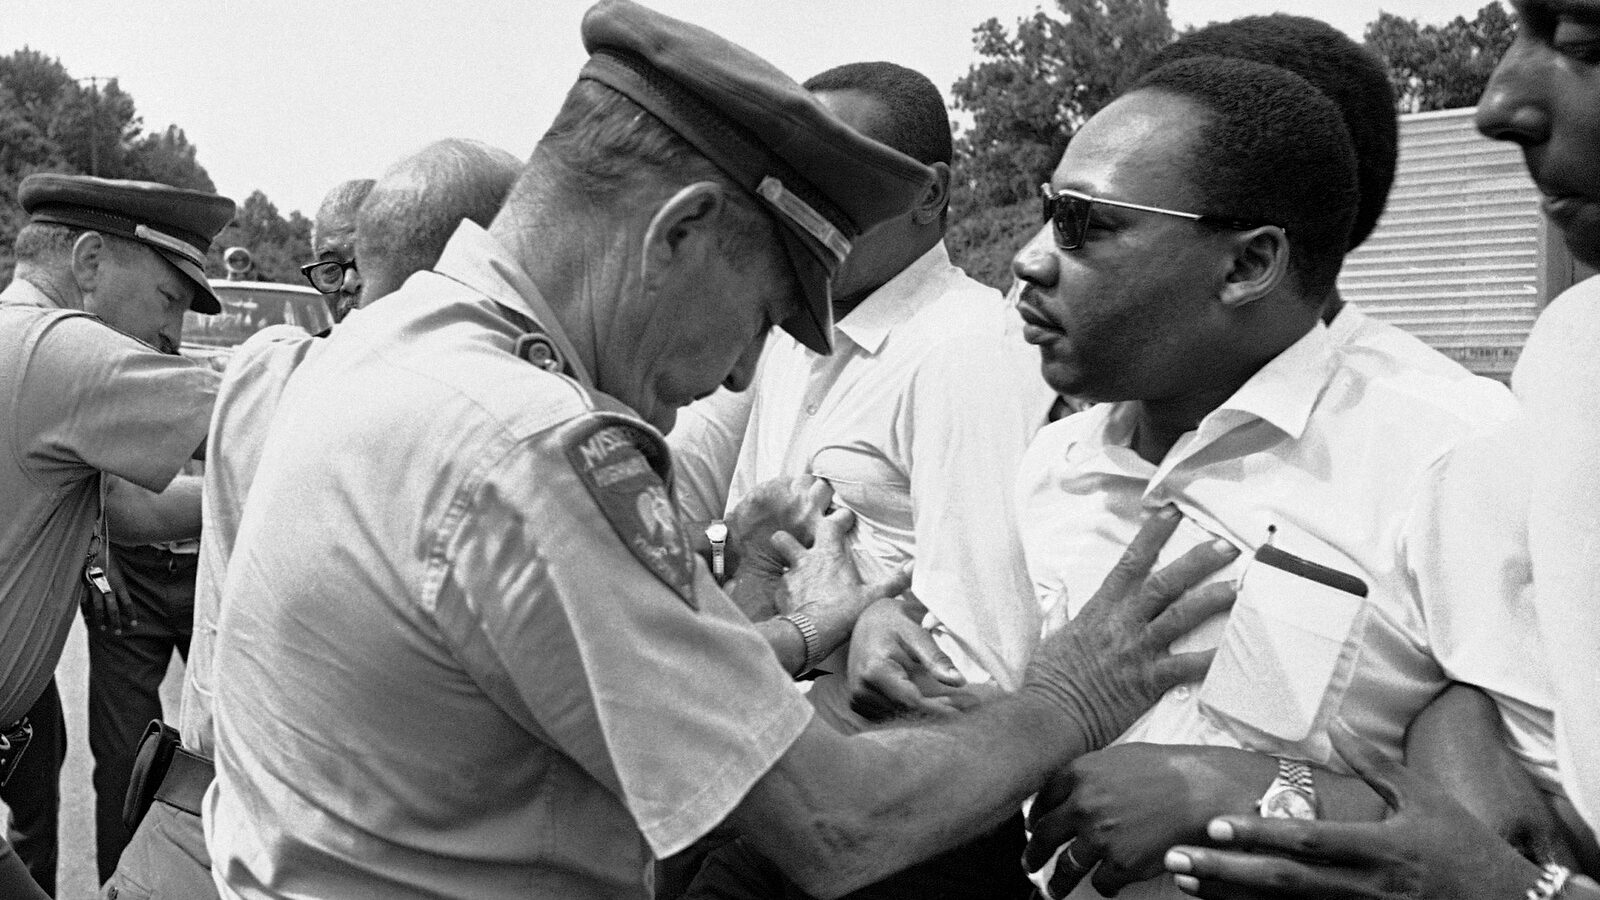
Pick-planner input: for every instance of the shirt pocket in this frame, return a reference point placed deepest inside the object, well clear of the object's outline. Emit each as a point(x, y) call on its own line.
point(1286, 650)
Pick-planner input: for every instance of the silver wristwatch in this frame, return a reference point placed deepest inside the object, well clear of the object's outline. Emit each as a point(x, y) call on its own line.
point(1291, 795)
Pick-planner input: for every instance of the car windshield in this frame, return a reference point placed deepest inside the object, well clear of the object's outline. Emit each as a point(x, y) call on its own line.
point(247, 310)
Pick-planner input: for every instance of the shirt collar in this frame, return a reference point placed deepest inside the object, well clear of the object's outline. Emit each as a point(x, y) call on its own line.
point(1285, 390)
point(1345, 325)
point(475, 259)
point(25, 293)
point(869, 324)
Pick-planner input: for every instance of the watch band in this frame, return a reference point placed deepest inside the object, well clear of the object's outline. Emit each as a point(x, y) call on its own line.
point(1292, 794)
point(717, 537)
point(808, 636)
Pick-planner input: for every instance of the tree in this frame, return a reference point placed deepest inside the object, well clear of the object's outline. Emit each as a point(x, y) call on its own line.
point(1441, 67)
point(1032, 90)
point(278, 245)
point(52, 122)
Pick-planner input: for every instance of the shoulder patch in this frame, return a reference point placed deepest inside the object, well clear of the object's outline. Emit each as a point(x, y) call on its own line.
point(616, 461)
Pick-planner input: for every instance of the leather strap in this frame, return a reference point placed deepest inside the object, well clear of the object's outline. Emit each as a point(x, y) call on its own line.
point(186, 781)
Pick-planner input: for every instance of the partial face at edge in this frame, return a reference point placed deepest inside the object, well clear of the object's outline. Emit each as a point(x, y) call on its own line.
point(335, 239)
point(1545, 96)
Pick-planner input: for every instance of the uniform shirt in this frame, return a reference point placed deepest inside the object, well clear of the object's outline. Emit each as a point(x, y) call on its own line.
point(246, 402)
point(1558, 379)
point(76, 398)
point(1327, 448)
point(917, 420)
point(447, 667)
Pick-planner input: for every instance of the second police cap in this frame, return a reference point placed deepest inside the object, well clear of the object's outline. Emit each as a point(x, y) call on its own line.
point(824, 182)
point(177, 223)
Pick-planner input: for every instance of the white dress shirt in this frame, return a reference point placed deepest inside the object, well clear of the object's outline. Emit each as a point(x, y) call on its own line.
point(1558, 380)
point(1324, 450)
point(918, 421)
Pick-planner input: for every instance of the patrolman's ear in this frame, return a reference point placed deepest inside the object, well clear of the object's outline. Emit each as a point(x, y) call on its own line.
point(933, 201)
point(89, 253)
point(1260, 263)
point(683, 229)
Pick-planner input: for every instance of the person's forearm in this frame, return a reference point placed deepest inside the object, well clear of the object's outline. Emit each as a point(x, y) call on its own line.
point(786, 643)
point(900, 795)
point(138, 516)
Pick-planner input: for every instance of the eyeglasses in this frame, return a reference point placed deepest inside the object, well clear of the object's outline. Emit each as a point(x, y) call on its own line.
point(1068, 210)
point(327, 276)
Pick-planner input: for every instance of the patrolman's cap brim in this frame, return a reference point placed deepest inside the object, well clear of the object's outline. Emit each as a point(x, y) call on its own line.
point(823, 182)
point(178, 224)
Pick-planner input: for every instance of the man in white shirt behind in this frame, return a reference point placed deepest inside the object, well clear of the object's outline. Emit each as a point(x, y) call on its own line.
point(917, 422)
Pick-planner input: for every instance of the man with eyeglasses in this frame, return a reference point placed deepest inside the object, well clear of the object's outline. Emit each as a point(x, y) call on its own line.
point(403, 225)
point(1195, 228)
point(333, 243)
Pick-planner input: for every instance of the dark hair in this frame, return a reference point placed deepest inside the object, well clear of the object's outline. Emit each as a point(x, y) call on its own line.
point(1350, 76)
point(1273, 150)
point(917, 124)
point(606, 148)
point(409, 215)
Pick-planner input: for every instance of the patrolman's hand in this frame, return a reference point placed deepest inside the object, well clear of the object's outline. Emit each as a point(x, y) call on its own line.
point(791, 505)
point(1112, 662)
point(1429, 847)
point(112, 610)
point(896, 668)
point(823, 583)
point(1125, 806)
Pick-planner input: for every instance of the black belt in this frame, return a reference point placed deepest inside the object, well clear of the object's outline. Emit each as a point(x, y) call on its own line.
point(188, 776)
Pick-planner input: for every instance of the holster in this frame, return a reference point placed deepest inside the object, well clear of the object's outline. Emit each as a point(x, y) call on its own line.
point(150, 764)
point(13, 742)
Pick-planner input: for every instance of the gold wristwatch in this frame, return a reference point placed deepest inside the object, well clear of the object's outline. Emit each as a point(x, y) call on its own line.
point(717, 536)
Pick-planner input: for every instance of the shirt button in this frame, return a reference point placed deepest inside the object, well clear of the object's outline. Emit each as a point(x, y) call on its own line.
point(1180, 693)
point(811, 409)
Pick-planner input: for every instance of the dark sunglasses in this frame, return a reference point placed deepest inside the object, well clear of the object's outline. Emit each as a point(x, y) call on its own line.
point(1068, 211)
point(327, 276)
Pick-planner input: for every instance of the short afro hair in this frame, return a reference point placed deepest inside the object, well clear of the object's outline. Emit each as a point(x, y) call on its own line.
point(1273, 149)
point(1351, 76)
point(918, 125)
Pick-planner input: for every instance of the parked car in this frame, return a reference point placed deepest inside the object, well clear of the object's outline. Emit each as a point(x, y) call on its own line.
point(248, 307)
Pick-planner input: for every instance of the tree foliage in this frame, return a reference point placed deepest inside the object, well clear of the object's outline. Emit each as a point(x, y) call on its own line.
point(1030, 90)
point(53, 122)
point(1441, 66)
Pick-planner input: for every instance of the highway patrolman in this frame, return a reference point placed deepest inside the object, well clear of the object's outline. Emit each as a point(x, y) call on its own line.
point(465, 649)
point(91, 388)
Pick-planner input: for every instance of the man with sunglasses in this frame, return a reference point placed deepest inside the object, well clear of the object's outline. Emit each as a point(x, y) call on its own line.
point(1194, 231)
point(333, 243)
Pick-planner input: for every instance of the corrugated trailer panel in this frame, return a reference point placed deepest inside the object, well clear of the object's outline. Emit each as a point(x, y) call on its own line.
point(1457, 258)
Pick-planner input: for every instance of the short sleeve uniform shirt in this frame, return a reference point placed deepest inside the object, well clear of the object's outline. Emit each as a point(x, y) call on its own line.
point(76, 398)
point(464, 649)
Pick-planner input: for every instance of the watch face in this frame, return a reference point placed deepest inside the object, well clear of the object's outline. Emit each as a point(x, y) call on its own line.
point(717, 531)
point(1285, 802)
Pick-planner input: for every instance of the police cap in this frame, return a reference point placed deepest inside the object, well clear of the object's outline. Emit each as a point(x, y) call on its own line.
point(824, 182)
point(179, 224)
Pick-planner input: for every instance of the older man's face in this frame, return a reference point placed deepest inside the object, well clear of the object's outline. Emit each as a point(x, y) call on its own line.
point(1131, 314)
point(1545, 96)
point(335, 240)
point(140, 294)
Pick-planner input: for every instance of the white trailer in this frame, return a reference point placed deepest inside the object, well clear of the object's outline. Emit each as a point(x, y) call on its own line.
point(1462, 257)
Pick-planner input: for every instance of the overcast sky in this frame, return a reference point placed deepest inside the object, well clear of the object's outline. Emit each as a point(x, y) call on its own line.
point(293, 96)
